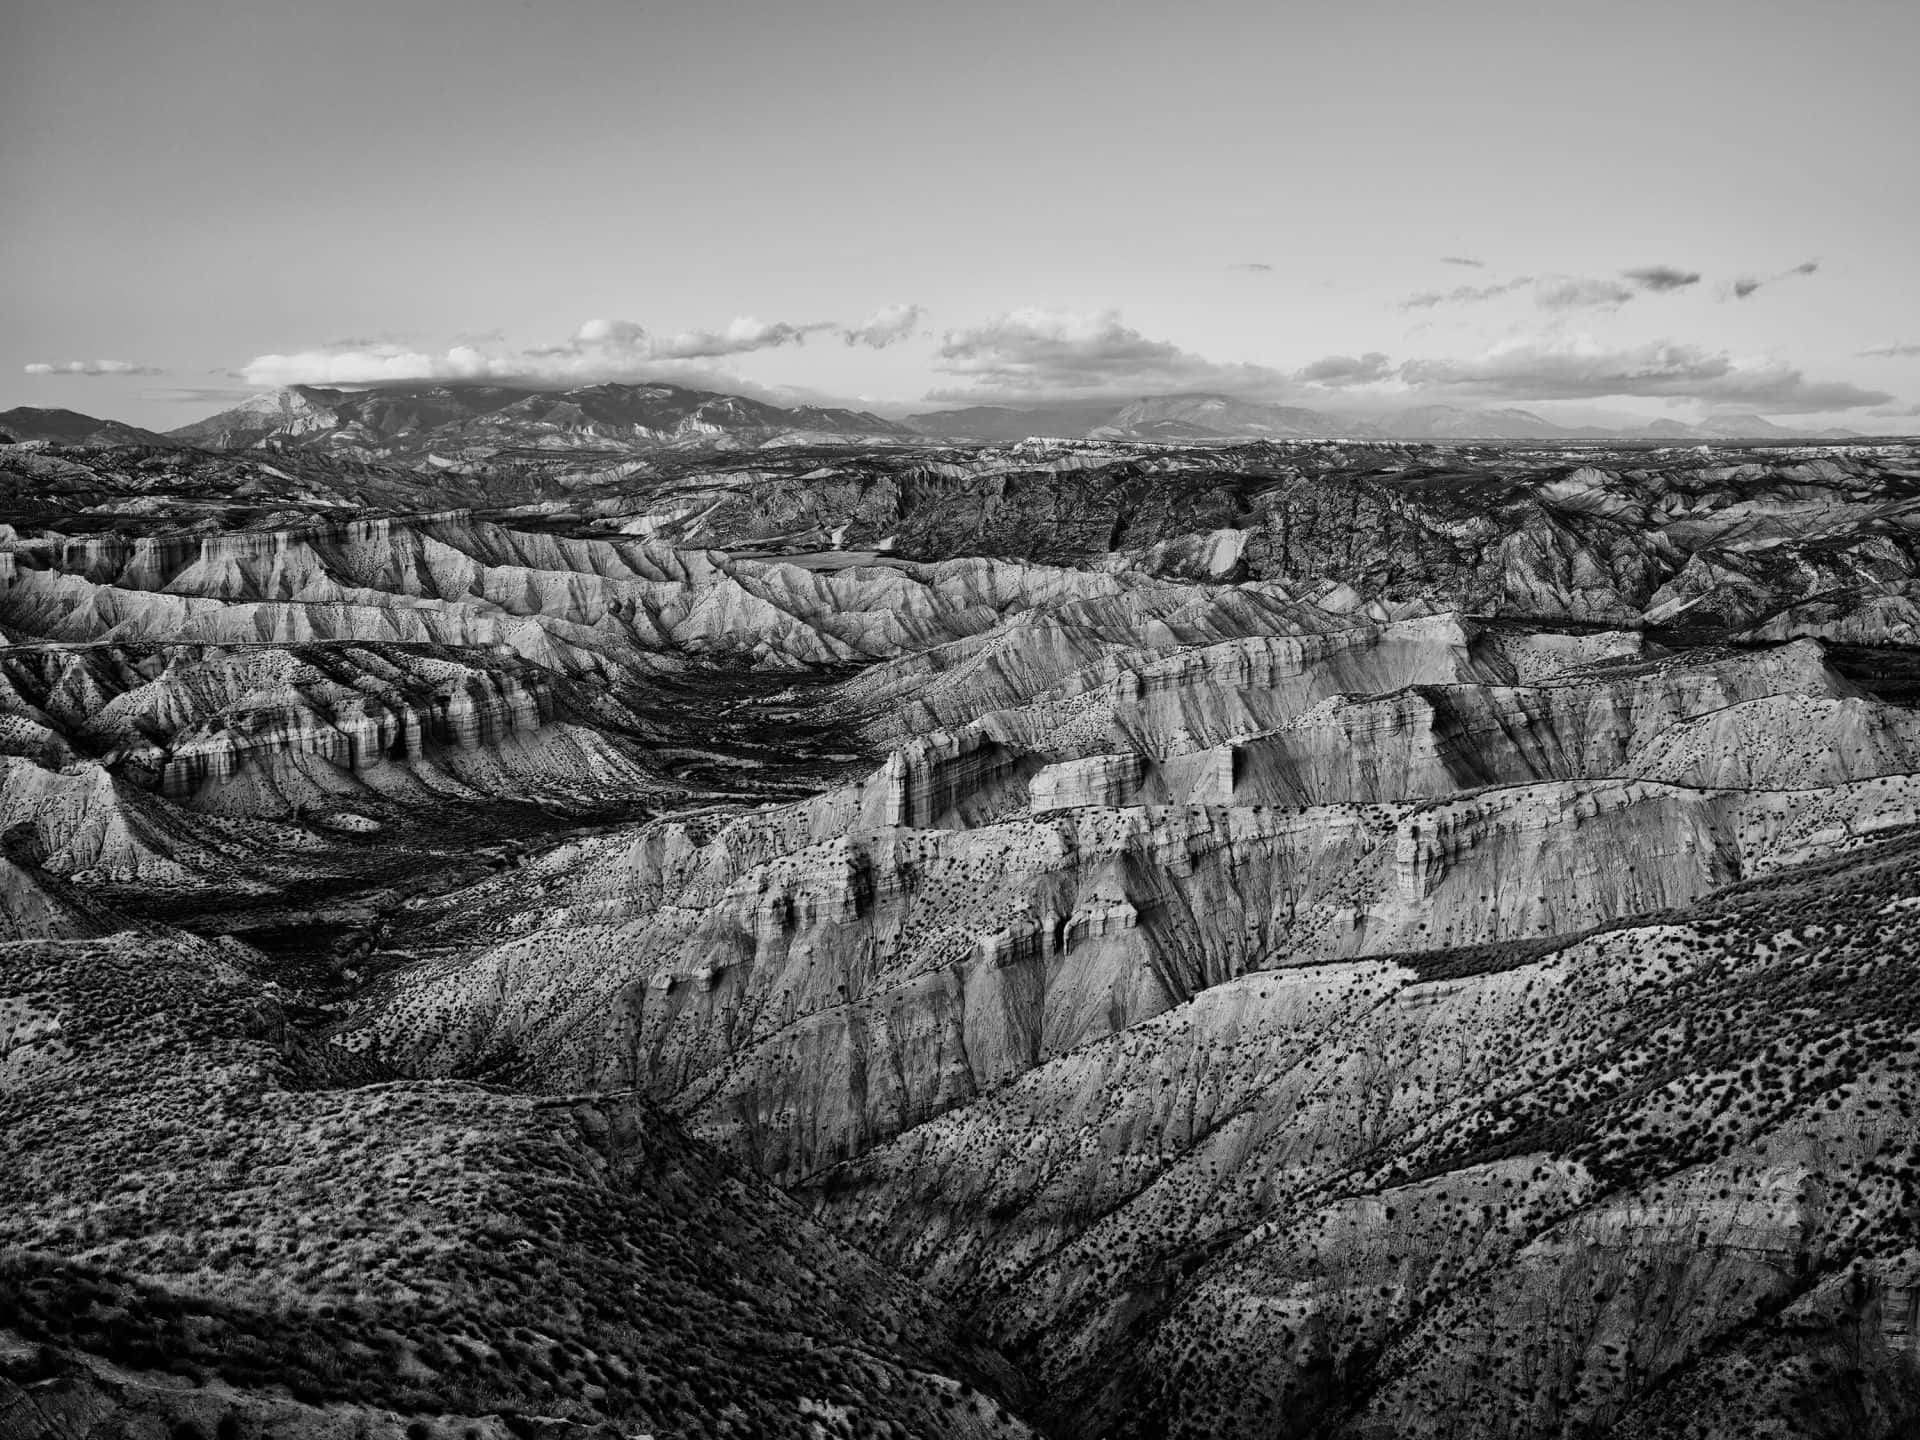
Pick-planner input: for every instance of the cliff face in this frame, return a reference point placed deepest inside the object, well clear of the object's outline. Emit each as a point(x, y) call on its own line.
point(1492, 1196)
point(1319, 941)
point(582, 606)
point(201, 724)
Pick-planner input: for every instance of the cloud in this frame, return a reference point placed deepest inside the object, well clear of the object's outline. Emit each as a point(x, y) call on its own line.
point(1747, 284)
point(1579, 294)
point(888, 325)
point(1577, 368)
point(599, 351)
point(740, 338)
point(1662, 277)
point(1342, 370)
point(1259, 266)
point(222, 395)
point(1557, 292)
point(1048, 354)
point(1463, 294)
point(1463, 260)
point(91, 368)
point(1891, 352)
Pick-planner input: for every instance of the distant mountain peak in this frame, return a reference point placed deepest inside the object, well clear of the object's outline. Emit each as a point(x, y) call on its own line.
point(71, 427)
point(406, 424)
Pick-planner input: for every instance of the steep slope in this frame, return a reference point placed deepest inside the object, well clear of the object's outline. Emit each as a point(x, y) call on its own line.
point(202, 1230)
point(208, 724)
point(577, 606)
point(1657, 1181)
point(803, 982)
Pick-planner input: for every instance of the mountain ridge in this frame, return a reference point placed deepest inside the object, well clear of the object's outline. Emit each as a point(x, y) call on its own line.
point(418, 422)
point(447, 425)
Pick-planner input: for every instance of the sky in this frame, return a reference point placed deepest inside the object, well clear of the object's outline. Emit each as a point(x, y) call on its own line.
point(1629, 209)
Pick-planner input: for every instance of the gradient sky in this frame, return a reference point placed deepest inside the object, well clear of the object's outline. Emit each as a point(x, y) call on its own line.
point(900, 202)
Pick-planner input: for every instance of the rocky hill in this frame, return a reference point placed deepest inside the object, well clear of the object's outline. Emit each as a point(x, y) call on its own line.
point(1081, 938)
point(26, 423)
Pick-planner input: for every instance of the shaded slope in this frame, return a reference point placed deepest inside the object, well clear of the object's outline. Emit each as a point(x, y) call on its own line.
point(436, 1250)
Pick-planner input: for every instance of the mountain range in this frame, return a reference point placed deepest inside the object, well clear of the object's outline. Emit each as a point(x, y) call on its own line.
point(464, 424)
point(70, 427)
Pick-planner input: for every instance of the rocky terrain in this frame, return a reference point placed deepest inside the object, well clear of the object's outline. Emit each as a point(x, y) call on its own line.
point(1083, 937)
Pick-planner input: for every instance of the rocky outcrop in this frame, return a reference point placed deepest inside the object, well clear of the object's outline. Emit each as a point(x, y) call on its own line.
point(277, 730)
point(801, 1008)
point(572, 605)
point(1538, 1199)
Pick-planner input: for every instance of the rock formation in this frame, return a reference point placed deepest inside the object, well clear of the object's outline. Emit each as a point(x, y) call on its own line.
point(1082, 937)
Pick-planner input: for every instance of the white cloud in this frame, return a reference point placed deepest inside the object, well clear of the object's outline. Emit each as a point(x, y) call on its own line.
point(91, 368)
point(888, 325)
point(1342, 370)
point(1047, 354)
point(738, 338)
point(1579, 368)
point(601, 350)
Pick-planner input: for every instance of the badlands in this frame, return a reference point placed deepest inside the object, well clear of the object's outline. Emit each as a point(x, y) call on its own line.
point(588, 922)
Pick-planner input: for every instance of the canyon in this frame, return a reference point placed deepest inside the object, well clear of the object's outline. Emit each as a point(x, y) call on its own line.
point(521, 915)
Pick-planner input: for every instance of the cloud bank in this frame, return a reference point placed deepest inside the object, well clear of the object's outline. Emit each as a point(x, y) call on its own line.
point(1891, 352)
point(1466, 260)
point(1035, 356)
point(1056, 354)
point(600, 351)
point(1338, 371)
point(1577, 368)
point(91, 368)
